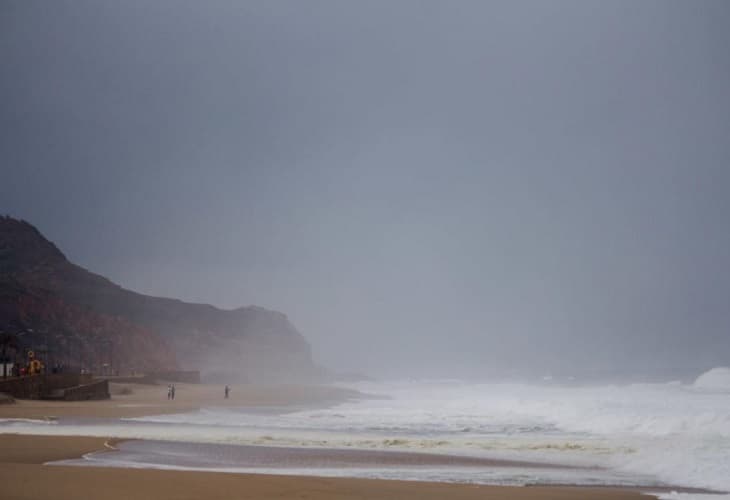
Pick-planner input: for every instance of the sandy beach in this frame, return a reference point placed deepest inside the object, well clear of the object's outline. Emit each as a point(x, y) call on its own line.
point(135, 400)
point(23, 474)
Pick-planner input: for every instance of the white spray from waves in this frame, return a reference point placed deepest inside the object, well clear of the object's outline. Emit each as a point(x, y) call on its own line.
point(717, 379)
point(672, 433)
point(676, 432)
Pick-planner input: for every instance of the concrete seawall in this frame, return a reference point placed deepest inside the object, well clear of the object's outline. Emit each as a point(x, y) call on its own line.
point(68, 386)
point(94, 390)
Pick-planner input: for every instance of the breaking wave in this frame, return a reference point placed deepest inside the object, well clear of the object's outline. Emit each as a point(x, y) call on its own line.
point(676, 433)
point(717, 379)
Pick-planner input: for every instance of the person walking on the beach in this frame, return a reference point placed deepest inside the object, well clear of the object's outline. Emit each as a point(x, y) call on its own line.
point(172, 391)
point(227, 390)
point(169, 391)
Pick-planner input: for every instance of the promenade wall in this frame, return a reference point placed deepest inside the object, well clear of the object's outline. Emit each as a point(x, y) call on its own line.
point(54, 386)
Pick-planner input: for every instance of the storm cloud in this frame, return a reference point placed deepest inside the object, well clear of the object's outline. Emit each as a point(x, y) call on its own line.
point(425, 188)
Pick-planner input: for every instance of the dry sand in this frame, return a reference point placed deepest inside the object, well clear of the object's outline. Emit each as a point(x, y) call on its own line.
point(152, 400)
point(23, 475)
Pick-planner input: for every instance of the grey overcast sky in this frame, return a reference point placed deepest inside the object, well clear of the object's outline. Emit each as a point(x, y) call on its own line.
point(445, 188)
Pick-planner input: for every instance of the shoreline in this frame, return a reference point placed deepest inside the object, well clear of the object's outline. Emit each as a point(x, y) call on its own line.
point(22, 456)
point(348, 458)
point(24, 477)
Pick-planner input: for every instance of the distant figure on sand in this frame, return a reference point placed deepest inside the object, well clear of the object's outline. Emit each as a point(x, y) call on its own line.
point(227, 390)
point(172, 391)
point(169, 391)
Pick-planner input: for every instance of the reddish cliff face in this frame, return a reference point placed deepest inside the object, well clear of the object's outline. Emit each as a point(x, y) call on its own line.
point(74, 336)
point(83, 318)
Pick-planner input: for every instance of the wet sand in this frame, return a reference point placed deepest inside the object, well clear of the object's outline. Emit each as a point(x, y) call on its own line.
point(23, 477)
point(220, 456)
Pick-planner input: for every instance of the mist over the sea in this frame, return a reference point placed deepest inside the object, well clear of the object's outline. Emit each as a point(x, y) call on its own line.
point(468, 189)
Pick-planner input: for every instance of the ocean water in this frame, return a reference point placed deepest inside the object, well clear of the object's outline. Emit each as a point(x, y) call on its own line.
point(640, 434)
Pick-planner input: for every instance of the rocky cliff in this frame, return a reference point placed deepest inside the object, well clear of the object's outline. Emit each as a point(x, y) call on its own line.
point(82, 318)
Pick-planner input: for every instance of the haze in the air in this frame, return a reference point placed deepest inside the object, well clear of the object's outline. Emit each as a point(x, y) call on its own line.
point(424, 188)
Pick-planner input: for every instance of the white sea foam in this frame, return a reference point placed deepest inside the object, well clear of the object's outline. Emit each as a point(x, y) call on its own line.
point(674, 433)
point(717, 379)
point(5, 422)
